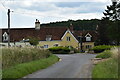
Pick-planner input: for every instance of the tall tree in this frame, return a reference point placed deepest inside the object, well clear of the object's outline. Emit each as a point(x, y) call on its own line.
point(103, 38)
point(112, 16)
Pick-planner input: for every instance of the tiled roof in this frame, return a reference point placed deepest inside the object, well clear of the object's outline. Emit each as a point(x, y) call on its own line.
point(19, 34)
point(84, 33)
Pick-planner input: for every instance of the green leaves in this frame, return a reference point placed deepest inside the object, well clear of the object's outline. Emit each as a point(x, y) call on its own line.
point(34, 41)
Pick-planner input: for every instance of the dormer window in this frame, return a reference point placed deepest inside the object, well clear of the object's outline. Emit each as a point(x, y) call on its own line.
point(5, 36)
point(88, 37)
point(48, 37)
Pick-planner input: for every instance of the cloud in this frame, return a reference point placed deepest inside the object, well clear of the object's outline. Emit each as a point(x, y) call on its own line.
point(26, 11)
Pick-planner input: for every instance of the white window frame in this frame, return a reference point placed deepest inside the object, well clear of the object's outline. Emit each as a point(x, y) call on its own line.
point(46, 46)
point(68, 38)
point(88, 46)
point(88, 38)
point(5, 36)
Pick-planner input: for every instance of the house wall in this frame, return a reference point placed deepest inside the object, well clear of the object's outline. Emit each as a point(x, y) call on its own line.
point(16, 44)
point(87, 43)
point(50, 43)
point(62, 42)
point(72, 41)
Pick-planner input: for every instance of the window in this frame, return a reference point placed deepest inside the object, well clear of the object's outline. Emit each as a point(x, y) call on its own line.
point(68, 38)
point(88, 38)
point(88, 46)
point(5, 36)
point(45, 46)
point(48, 37)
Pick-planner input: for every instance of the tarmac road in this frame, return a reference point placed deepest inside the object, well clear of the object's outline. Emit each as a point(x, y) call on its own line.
point(70, 66)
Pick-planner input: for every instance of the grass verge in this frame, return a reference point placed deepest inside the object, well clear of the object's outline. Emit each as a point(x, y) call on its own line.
point(107, 69)
point(13, 56)
point(20, 70)
point(105, 54)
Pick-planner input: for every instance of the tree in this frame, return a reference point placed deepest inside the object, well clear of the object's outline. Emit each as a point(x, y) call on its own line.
point(33, 41)
point(112, 16)
point(103, 38)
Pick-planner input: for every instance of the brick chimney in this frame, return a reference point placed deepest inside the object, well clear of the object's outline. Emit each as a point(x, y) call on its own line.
point(37, 24)
point(71, 28)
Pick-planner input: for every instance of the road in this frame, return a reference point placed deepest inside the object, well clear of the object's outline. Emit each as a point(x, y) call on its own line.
point(70, 66)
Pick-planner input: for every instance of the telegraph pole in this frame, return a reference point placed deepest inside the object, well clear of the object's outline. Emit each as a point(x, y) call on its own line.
point(8, 27)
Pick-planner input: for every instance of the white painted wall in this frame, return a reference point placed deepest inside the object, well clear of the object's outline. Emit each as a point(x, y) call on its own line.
point(17, 44)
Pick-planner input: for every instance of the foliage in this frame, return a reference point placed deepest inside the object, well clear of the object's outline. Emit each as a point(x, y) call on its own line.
point(112, 12)
point(73, 49)
point(60, 50)
point(13, 56)
point(76, 50)
point(108, 69)
point(101, 48)
point(103, 38)
point(112, 16)
point(78, 24)
point(104, 55)
point(34, 41)
point(114, 32)
point(23, 69)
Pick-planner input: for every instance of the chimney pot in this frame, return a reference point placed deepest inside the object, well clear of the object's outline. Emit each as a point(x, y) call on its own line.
point(37, 24)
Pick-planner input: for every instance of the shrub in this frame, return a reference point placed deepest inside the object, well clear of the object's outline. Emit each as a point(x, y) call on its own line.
point(73, 49)
point(60, 50)
point(104, 55)
point(76, 50)
point(101, 48)
point(13, 56)
point(34, 41)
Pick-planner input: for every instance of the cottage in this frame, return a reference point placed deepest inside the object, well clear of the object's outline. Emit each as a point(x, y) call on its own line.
point(52, 36)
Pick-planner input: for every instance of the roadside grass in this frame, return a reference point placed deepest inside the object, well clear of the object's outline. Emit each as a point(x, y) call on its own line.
point(13, 56)
point(23, 69)
point(105, 54)
point(109, 68)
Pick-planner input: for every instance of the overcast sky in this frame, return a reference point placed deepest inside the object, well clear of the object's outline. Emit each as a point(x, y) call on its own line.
point(26, 11)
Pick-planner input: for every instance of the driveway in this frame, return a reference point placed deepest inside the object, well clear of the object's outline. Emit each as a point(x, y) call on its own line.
point(70, 66)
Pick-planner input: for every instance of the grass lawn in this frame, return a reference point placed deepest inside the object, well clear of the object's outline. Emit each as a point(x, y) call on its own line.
point(23, 69)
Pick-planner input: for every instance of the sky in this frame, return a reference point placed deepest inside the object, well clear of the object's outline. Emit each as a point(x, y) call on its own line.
point(24, 12)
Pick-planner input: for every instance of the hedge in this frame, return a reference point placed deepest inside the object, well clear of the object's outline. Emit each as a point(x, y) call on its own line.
point(101, 48)
point(60, 50)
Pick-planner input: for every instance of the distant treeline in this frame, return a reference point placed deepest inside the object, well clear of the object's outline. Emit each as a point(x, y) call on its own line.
point(78, 24)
